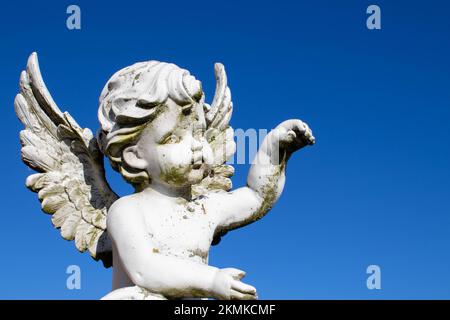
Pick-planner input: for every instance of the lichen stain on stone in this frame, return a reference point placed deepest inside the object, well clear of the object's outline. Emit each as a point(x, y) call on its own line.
point(181, 200)
point(174, 175)
point(269, 193)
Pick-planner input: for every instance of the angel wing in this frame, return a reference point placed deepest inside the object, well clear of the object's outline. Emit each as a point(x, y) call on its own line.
point(71, 182)
point(220, 136)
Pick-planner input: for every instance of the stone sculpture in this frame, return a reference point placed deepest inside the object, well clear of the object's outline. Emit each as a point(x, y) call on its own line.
point(172, 147)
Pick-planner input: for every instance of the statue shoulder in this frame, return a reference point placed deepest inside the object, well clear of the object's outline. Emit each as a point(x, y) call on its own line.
point(122, 211)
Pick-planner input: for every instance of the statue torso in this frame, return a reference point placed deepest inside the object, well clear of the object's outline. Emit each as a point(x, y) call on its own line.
point(180, 228)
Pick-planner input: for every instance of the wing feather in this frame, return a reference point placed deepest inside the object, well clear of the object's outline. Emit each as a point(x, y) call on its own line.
point(220, 136)
point(219, 133)
point(71, 183)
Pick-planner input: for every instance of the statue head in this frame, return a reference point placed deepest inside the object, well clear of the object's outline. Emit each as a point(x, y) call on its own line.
point(153, 125)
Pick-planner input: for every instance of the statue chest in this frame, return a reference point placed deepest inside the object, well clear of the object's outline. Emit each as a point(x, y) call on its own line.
point(182, 230)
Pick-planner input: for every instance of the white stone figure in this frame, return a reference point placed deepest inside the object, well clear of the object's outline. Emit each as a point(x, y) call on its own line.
point(162, 137)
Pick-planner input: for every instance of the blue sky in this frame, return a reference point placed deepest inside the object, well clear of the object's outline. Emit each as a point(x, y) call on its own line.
point(373, 190)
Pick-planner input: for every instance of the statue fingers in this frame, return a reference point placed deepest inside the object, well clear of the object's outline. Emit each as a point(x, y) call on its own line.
point(242, 287)
point(236, 295)
point(236, 274)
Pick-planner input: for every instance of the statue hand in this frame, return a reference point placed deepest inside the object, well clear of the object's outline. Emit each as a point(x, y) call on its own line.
point(294, 134)
point(227, 285)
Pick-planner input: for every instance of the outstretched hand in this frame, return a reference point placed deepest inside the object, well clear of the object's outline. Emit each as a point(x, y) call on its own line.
point(294, 134)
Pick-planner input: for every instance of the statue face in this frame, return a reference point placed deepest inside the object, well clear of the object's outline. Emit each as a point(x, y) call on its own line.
point(173, 148)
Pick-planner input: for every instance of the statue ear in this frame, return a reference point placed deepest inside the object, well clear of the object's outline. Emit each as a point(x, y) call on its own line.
point(133, 159)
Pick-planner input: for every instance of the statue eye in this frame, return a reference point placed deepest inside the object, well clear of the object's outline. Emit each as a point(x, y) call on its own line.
point(170, 139)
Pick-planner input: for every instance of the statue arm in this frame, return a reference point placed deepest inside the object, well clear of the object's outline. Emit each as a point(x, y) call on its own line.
point(266, 178)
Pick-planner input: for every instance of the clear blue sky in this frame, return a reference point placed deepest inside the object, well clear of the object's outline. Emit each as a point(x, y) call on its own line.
point(373, 190)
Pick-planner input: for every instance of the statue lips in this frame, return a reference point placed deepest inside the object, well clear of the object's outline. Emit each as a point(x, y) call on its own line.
point(197, 165)
point(197, 153)
point(202, 167)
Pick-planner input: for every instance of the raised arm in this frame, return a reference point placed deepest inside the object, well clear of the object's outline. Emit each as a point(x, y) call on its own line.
point(167, 275)
point(265, 180)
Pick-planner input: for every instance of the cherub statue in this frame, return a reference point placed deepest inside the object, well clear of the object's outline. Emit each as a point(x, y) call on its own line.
point(159, 133)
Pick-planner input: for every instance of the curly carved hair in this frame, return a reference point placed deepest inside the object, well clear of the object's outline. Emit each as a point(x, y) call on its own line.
point(131, 99)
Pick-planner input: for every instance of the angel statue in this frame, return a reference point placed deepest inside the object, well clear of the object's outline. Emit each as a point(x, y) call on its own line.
point(172, 147)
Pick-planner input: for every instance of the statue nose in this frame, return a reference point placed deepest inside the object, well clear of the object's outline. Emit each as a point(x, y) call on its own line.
point(208, 157)
point(197, 147)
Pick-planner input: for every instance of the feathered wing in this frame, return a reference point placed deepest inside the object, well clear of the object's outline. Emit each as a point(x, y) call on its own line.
point(220, 136)
point(71, 182)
